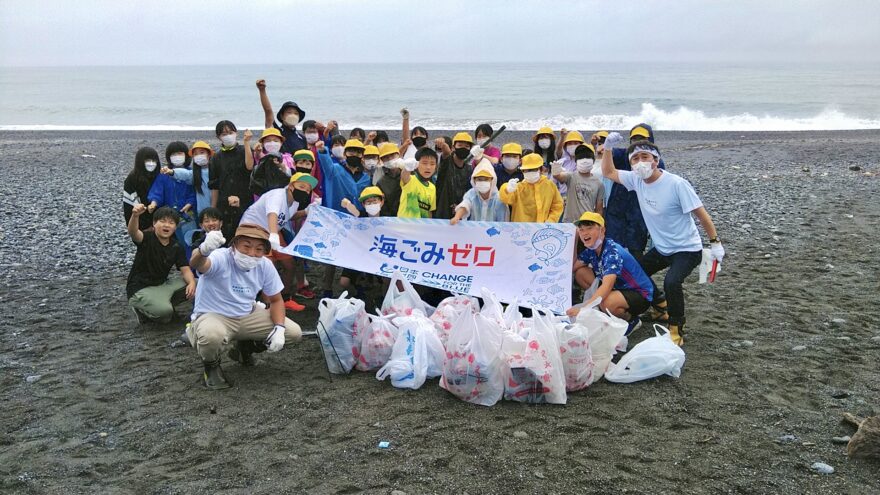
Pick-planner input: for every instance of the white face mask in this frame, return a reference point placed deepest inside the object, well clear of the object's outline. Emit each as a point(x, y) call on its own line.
point(570, 148)
point(643, 169)
point(481, 141)
point(229, 139)
point(150, 165)
point(532, 176)
point(200, 160)
point(272, 146)
point(585, 165)
point(291, 120)
point(596, 245)
point(244, 261)
point(544, 143)
point(373, 209)
point(510, 163)
point(178, 159)
point(482, 186)
point(311, 137)
point(370, 163)
point(338, 151)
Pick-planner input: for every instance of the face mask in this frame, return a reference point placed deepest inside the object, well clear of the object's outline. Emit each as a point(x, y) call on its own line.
point(482, 186)
point(643, 169)
point(462, 153)
point(338, 151)
point(570, 148)
point(510, 163)
point(312, 137)
point(373, 209)
point(178, 159)
point(596, 245)
point(532, 176)
point(150, 165)
point(229, 139)
point(419, 141)
point(353, 161)
point(544, 143)
point(301, 197)
point(200, 160)
point(304, 170)
point(585, 165)
point(244, 261)
point(291, 120)
point(482, 141)
point(371, 163)
point(272, 146)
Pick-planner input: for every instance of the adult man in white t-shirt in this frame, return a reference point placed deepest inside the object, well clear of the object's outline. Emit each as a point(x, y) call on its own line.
point(668, 203)
point(225, 310)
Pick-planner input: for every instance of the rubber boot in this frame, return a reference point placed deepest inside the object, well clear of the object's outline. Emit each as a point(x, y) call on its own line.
point(243, 351)
point(677, 334)
point(213, 377)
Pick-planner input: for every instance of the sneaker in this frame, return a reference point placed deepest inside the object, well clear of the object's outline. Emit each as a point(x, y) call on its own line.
point(305, 293)
point(292, 305)
point(142, 319)
point(634, 325)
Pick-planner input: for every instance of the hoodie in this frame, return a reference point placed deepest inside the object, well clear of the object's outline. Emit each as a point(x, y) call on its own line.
point(484, 210)
point(537, 203)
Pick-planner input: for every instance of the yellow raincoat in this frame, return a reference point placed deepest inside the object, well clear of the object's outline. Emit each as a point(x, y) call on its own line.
point(539, 202)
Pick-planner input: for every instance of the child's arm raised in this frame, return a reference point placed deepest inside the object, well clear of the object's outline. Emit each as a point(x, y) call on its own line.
point(269, 117)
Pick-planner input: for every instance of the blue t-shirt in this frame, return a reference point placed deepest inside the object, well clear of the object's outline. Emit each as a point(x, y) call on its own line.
point(615, 260)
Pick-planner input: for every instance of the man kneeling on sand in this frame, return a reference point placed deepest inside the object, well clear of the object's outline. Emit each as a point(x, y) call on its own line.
point(225, 310)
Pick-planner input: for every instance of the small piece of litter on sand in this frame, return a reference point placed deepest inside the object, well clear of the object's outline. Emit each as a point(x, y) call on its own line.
point(822, 468)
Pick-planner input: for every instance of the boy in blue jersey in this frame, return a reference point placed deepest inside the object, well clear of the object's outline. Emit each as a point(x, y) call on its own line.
point(625, 289)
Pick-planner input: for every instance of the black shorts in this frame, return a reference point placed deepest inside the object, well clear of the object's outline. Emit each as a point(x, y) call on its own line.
point(636, 301)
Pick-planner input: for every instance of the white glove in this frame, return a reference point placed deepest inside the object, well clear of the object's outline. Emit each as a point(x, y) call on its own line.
point(717, 251)
point(614, 140)
point(476, 152)
point(275, 340)
point(213, 240)
point(512, 184)
point(346, 203)
point(259, 305)
point(410, 164)
point(275, 241)
point(556, 167)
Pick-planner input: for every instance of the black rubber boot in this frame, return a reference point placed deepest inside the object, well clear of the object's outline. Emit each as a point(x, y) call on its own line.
point(243, 351)
point(213, 377)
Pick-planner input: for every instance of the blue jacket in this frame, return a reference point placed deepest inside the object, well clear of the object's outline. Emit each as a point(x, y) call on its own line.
point(339, 183)
point(166, 191)
point(203, 197)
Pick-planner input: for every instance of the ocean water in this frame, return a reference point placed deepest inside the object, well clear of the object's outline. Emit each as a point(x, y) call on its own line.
point(687, 97)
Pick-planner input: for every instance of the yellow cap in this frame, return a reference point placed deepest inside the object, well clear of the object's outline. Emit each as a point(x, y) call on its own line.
point(463, 137)
point(573, 136)
point(590, 216)
point(388, 149)
point(544, 130)
point(354, 143)
point(532, 161)
point(271, 132)
point(303, 155)
point(308, 179)
point(639, 131)
point(511, 149)
point(201, 145)
point(588, 145)
point(484, 172)
point(601, 134)
point(370, 150)
point(371, 192)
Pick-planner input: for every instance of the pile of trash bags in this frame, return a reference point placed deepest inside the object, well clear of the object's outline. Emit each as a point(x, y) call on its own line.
point(489, 353)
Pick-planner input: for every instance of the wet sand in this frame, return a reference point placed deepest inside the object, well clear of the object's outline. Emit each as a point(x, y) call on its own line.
point(785, 342)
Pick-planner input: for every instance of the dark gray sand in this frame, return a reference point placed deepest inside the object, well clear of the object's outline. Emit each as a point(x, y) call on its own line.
point(783, 343)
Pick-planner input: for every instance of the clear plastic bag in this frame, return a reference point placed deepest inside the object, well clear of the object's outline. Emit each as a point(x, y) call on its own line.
point(649, 358)
point(403, 302)
point(339, 323)
point(537, 376)
point(605, 331)
point(376, 343)
point(474, 368)
point(417, 354)
point(576, 355)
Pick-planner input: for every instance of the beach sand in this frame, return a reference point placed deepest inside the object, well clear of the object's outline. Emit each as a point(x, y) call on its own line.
point(784, 343)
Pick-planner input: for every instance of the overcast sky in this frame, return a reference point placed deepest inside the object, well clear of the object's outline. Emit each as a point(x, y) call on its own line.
point(156, 32)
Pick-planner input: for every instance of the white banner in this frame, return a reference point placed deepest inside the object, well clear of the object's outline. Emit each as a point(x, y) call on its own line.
point(527, 262)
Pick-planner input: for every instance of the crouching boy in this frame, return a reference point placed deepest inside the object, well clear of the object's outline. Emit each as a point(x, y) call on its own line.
point(225, 311)
point(150, 293)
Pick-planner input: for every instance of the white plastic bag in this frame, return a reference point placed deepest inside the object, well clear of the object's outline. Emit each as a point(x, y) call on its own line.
point(339, 323)
point(376, 343)
point(474, 370)
point(449, 310)
point(417, 354)
point(577, 357)
point(403, 302)
point(509, 317)
point(537, 376)
point(649, 358)
point(605, 331)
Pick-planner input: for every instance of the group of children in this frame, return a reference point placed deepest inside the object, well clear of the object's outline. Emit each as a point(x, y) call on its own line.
point(265, 186)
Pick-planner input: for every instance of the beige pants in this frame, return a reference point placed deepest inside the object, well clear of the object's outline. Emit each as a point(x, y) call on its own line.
point(211, 331)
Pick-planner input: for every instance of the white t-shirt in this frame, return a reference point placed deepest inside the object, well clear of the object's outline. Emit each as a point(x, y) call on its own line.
point(230, 291)
point(273, 201)
point(666, 205)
